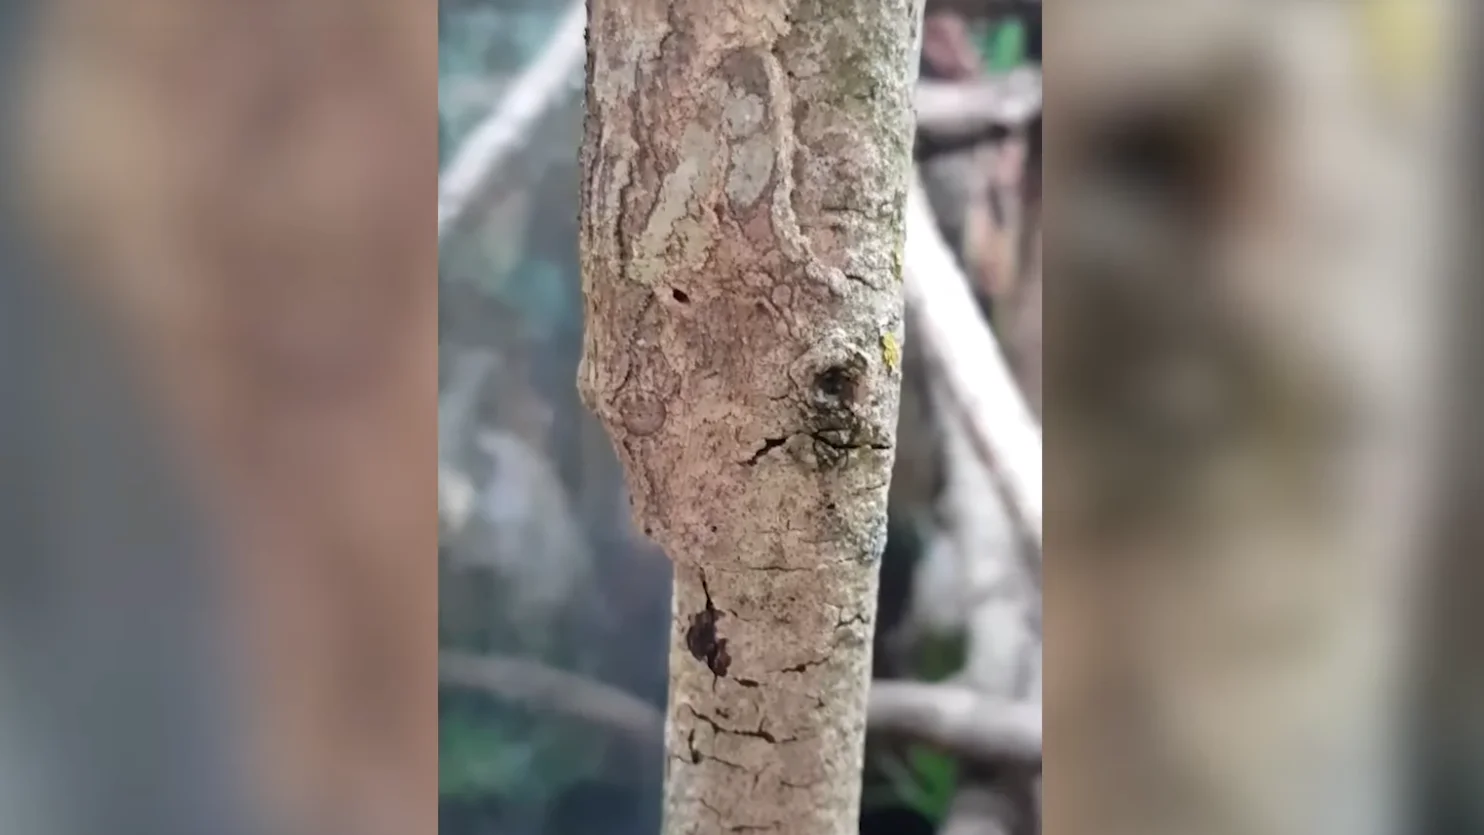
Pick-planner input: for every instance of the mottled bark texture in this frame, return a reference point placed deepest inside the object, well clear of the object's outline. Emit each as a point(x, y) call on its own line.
point(745, 169)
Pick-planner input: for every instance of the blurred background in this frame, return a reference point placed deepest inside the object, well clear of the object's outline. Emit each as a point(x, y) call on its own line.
point(227, 368)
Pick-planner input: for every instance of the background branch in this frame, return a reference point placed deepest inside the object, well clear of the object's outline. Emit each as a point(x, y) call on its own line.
point(536, 685)
point(965, 355)
point(959, 720)
point(961, 113)
point(470, 177)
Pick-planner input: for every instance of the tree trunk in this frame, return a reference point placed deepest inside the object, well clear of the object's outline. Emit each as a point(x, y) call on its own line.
point(745, 171)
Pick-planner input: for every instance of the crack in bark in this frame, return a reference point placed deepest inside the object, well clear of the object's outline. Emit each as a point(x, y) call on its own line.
point(750, 734)
point(804, 666)
point(769, 444)
point(862, 280)
point(837, 441)
point(696, 757)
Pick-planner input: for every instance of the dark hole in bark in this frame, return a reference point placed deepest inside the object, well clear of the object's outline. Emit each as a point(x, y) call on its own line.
point(680, 296)
point(835, 383)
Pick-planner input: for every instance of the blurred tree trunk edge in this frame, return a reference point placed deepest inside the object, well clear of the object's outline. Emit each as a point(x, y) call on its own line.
point(743, 273)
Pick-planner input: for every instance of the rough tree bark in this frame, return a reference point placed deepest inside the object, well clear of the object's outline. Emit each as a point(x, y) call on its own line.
point(745, 174)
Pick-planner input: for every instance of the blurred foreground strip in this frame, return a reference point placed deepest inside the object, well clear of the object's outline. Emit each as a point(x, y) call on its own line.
point(242, 191)
point(1244, 275)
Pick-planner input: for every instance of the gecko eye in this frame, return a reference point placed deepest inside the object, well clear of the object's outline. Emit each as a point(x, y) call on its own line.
point(835, 383)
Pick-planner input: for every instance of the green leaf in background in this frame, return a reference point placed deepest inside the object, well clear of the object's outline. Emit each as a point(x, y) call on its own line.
point(1004, 46)
point(487, 750)
point(475, 757)
point(925, 782)
point(941, 656)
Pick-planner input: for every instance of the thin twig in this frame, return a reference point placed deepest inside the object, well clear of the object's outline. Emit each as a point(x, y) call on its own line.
point(973, 368)
point(950, 111)
point(544, 84)
point(537, 685)
point(959, 720)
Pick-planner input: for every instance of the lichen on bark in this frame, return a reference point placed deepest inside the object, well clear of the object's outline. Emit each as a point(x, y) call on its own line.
point(744, 178)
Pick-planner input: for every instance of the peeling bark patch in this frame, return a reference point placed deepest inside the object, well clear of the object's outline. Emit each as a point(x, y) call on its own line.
point(702, 641)
point(671, 225)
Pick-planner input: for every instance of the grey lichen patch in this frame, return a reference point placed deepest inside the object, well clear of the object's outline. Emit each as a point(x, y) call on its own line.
point(678, 227)
point(751, 169)
point(743, 115)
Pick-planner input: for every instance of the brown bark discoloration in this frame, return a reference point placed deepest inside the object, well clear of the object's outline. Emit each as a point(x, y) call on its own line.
point(745, 170)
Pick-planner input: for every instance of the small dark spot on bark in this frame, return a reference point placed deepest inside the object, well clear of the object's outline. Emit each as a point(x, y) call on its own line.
point(690, 741)
point(747, 682)
point(703, 642)
point(713, 529)
point(680, 296)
